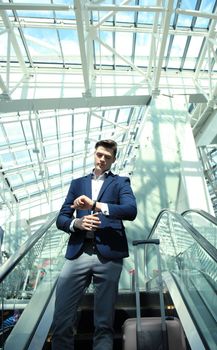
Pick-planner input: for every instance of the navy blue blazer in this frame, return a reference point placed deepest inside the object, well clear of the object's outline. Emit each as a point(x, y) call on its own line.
point(110, 237)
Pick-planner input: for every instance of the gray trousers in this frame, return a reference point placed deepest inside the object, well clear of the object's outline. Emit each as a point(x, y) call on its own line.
point(74, 278)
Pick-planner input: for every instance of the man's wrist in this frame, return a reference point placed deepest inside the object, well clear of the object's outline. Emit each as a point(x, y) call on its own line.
point(75, 224)
point(93, 208)
point(72, 226)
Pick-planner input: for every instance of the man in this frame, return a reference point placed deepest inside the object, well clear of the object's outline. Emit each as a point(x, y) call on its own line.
point(96, 248)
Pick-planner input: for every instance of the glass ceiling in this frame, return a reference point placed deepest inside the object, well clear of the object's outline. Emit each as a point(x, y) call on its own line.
point(72, 72)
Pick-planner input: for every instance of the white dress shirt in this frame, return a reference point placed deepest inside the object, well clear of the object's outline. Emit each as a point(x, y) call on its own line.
point(96, 184)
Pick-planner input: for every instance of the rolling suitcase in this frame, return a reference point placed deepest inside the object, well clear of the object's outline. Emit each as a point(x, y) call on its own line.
point(152, 333)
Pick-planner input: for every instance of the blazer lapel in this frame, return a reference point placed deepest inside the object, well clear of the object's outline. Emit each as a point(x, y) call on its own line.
point(106, 182)
point(88, 186)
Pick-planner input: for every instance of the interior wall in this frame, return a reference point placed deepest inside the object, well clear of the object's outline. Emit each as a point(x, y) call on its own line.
point(167, 172)
point(157, 169)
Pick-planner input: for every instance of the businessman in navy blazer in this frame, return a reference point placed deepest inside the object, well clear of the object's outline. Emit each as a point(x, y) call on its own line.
point(93, 214)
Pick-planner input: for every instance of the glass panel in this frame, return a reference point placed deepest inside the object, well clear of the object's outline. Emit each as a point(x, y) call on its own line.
point(146, 17)
point(51, 151)
point(41, 264)
point(66, 148)
point(15, 180)
point(103, 54)
point(65, 124)
point(193, 52)
point(121, 47)
point(53, 169)
point(204, 226)
point(43, 43)
point(183, 20)
point(194, 270)
point(7, 159)
point(28, 177)
point(14, 132)
point(177, 50)
point(208, 7)
point(22, 157)
point(125, 17)
point(142, 49)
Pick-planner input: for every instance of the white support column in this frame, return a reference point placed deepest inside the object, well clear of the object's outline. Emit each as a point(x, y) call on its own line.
point(153, 54)
point(193, 182)
point(163, 45)
point(83, 39)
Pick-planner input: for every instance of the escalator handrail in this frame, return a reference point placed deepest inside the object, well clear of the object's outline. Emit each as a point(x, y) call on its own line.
point(204, 243)
point(14, 259)
point(203, 213)
point(41, 300)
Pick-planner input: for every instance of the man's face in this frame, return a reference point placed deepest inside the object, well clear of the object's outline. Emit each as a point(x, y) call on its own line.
point(103, 158)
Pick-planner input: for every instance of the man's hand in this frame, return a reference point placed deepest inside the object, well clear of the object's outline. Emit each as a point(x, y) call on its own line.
point(88, 222)
point(82, 202)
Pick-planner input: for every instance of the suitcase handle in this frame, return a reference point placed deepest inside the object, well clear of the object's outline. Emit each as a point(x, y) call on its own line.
point(156, 243)
point(146, 241)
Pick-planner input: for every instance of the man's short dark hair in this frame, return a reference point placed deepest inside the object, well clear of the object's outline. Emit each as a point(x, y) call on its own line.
point(107, 144)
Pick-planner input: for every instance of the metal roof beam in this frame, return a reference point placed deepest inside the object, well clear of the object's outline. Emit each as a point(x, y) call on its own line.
point(197, 13)
point(70, 103)
point(116, 8)
point(31, 23)
point(34, 7)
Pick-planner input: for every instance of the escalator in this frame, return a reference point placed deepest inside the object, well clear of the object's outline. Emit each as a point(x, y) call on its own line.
point(189, 263)
point(28, 280)
point(203, 222)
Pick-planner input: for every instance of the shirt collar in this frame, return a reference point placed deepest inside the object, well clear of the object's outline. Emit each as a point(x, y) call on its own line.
point(101, 177)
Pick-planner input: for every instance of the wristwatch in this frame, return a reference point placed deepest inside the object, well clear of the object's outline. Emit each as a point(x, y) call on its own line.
point(93, 206)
